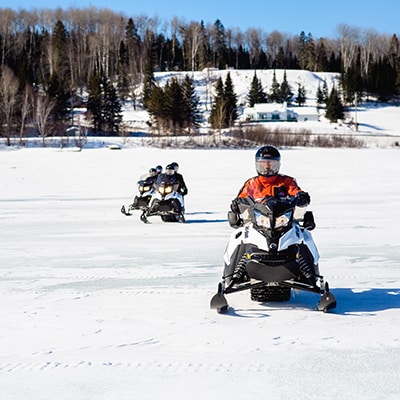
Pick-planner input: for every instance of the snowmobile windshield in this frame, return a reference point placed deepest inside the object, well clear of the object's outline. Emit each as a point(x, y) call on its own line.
point(267, 167)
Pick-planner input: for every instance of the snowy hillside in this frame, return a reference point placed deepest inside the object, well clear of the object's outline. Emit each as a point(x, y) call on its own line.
point(371, 119)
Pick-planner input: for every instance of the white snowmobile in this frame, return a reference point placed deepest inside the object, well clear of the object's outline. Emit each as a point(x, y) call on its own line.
point(270, 253)
point(166, 201)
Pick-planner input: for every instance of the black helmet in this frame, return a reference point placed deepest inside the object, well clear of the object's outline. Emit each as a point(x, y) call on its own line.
point(175, 165)
point(159, 169)
point(169, 169)
point(268, 160)
point(152, 172)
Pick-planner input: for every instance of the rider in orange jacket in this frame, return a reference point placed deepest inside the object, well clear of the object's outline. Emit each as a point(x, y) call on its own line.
point(268, 182)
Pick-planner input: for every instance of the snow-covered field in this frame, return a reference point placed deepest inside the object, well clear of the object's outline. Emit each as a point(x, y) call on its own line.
point(96, 305)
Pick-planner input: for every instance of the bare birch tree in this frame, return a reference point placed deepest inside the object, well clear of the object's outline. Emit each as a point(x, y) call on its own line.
point(26, 109)
point(8, 98)
point(349, 40)
point(44, 107)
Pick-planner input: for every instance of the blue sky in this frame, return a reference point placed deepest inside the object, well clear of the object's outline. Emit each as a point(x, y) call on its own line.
point(318, 17)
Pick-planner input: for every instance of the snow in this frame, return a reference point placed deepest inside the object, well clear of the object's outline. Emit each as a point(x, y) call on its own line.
point(96, 305)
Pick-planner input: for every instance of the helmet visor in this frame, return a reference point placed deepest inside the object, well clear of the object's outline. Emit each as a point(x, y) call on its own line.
point(267, 167)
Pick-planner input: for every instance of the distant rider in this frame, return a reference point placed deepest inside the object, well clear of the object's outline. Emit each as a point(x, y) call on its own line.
point(182, 188)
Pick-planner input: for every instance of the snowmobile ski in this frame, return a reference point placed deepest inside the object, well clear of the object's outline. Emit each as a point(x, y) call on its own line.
point(327, 300)
point(218, 301)
point(127, 213)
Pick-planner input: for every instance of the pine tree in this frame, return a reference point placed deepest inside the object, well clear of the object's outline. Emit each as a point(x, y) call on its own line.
point(149, 83)
point(95, 100)
point(220, 48)
point(275, 89)
point(325, 91)
point(174, 106)
point(218, 111)
point(301, 95)
point(59, 42)
point(285, 90)
point(320, 96)
point(334, 107)
point(191, 104)
point(156, 106)
point(231, 101)
point(112, 109)
point(58, 91)
point(123, 71)
point(224, 111)
point(256, 93)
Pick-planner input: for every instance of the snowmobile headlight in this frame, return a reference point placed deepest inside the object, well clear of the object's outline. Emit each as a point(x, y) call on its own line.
point(144, 188)
point(262, 220)
point(283, 220)
point(165, 189)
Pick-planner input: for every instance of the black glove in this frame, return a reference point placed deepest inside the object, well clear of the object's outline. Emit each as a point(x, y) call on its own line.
point(303, 199)
point(235, 206)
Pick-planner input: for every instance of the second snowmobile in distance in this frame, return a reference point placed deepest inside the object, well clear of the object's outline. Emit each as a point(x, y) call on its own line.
point(141, 202)
point(166, 201)
point(270, 253)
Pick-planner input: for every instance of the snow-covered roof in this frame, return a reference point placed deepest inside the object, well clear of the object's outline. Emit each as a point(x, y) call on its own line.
point(270, 107)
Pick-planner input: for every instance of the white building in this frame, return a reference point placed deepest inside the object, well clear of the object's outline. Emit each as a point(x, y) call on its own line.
point(269, 112)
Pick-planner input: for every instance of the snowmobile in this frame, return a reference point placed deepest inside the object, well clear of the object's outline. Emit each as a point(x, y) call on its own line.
point(165, 202)
point(141, 202)
point(270, 253)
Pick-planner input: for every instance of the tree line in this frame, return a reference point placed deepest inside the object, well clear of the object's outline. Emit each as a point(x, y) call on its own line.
point(47, 57)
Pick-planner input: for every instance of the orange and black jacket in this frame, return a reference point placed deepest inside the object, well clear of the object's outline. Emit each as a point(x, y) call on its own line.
point(261, 186)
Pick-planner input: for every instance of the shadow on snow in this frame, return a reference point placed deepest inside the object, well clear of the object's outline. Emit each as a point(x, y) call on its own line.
point(349, 302)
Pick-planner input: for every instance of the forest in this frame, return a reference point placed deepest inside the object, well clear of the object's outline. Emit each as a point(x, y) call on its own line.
point(49, 58)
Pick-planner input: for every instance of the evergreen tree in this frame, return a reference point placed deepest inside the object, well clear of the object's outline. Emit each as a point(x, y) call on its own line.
point(224, 111)
point(301, 95)
point(112, 109)
point(156, 106)
point(256, 93)
point(322, 93)
point(320, 96)
point(231, 101)
point(275, 89)
point(321, 58)
point(334, 107)
point(394, 59)
point(149, 83)
point(220, 49)
point(302, 52)
point(285, 92)
point(58, 92)
point(218, 111)
point(306, 52)
point(174, 105)
point(59, 43)
point(325, 91)
point(352, 81)
point(191, 103)
point(95, 100)
point(382, 80)
point(123, 71)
